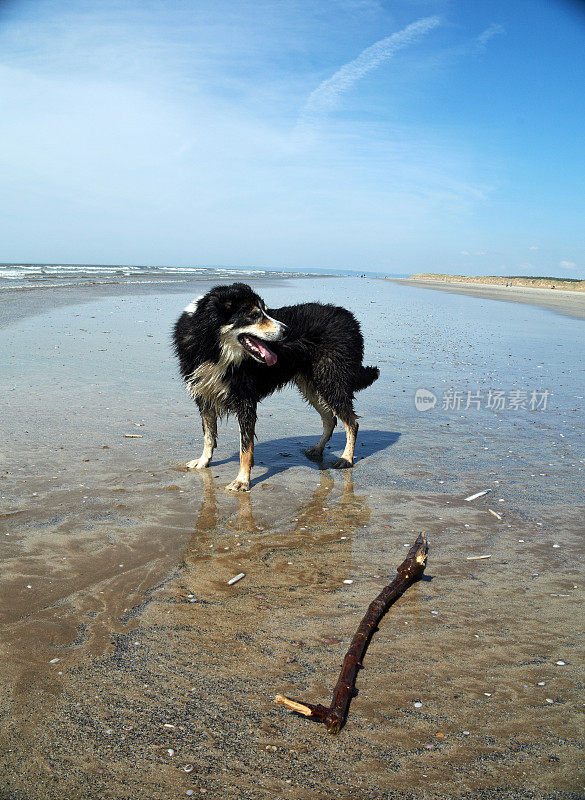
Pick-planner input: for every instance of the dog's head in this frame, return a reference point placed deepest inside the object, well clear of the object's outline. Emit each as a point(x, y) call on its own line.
point(240, 318)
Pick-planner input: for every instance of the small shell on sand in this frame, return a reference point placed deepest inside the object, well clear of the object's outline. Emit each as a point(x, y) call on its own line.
point(476, 495)
point(477, 558)
point(236, 578)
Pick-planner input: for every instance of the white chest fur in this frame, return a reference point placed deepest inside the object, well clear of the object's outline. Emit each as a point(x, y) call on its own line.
point(207, 382)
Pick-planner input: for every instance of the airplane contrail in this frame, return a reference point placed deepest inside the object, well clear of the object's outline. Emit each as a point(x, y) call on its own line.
point(325, 97)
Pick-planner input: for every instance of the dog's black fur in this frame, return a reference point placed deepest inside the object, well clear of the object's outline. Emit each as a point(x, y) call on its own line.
point(233, 352)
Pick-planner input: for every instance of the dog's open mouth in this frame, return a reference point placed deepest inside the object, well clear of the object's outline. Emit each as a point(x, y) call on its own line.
point(257, 349)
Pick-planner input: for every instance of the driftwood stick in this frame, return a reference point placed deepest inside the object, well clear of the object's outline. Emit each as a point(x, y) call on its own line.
point(334, 717)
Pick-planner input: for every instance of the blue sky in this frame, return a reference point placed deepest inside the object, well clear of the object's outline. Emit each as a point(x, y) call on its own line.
point(415, 135)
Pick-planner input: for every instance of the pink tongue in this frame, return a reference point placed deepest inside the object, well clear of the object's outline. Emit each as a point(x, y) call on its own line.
point(267, 354)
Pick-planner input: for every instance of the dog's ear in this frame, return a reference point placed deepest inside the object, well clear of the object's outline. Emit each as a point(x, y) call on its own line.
point(221, 301)
point(219, 307)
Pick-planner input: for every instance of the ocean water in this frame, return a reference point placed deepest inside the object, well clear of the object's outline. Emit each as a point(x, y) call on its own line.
point(30, 275)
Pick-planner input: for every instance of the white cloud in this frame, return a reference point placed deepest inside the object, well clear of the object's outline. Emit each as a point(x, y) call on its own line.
point(483, 38)
point(534, 247)
point(161, 132)
point(567, 265)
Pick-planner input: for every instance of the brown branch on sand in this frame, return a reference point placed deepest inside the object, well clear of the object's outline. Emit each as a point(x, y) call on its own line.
point(334, 717)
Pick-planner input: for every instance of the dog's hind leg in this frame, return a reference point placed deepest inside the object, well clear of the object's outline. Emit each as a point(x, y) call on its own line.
point(329, 420)
point(330, 399)
point(351, 426)
point(209, 419)
point(247, 422)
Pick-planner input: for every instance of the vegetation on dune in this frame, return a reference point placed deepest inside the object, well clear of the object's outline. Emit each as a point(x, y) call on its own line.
point(529, 281)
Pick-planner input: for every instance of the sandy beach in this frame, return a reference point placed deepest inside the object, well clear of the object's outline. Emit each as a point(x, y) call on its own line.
point(131, 668)
point(558, 300)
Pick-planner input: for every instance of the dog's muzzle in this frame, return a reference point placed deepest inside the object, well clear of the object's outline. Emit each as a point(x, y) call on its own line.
point(258, 349)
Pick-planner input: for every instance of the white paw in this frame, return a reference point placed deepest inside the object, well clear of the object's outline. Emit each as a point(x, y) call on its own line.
point(238, 486)
point(198, 463)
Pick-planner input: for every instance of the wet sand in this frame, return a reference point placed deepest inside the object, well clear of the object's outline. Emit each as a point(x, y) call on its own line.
point(558, 300)
point(162, 665)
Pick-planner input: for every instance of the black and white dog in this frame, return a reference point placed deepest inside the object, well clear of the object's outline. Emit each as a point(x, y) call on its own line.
point(233, 352)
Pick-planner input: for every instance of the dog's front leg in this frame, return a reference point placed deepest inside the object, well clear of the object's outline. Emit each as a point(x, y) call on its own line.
point(247, 422)
point(209, 419)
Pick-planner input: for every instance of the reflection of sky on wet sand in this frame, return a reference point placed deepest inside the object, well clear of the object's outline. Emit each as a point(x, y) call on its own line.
point(80, 377)
point(113, 536)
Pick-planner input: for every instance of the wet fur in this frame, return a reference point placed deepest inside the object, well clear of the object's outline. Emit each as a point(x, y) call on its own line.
point(319, 348)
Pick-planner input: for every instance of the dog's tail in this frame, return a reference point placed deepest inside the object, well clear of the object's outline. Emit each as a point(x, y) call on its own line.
point(366, 377)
